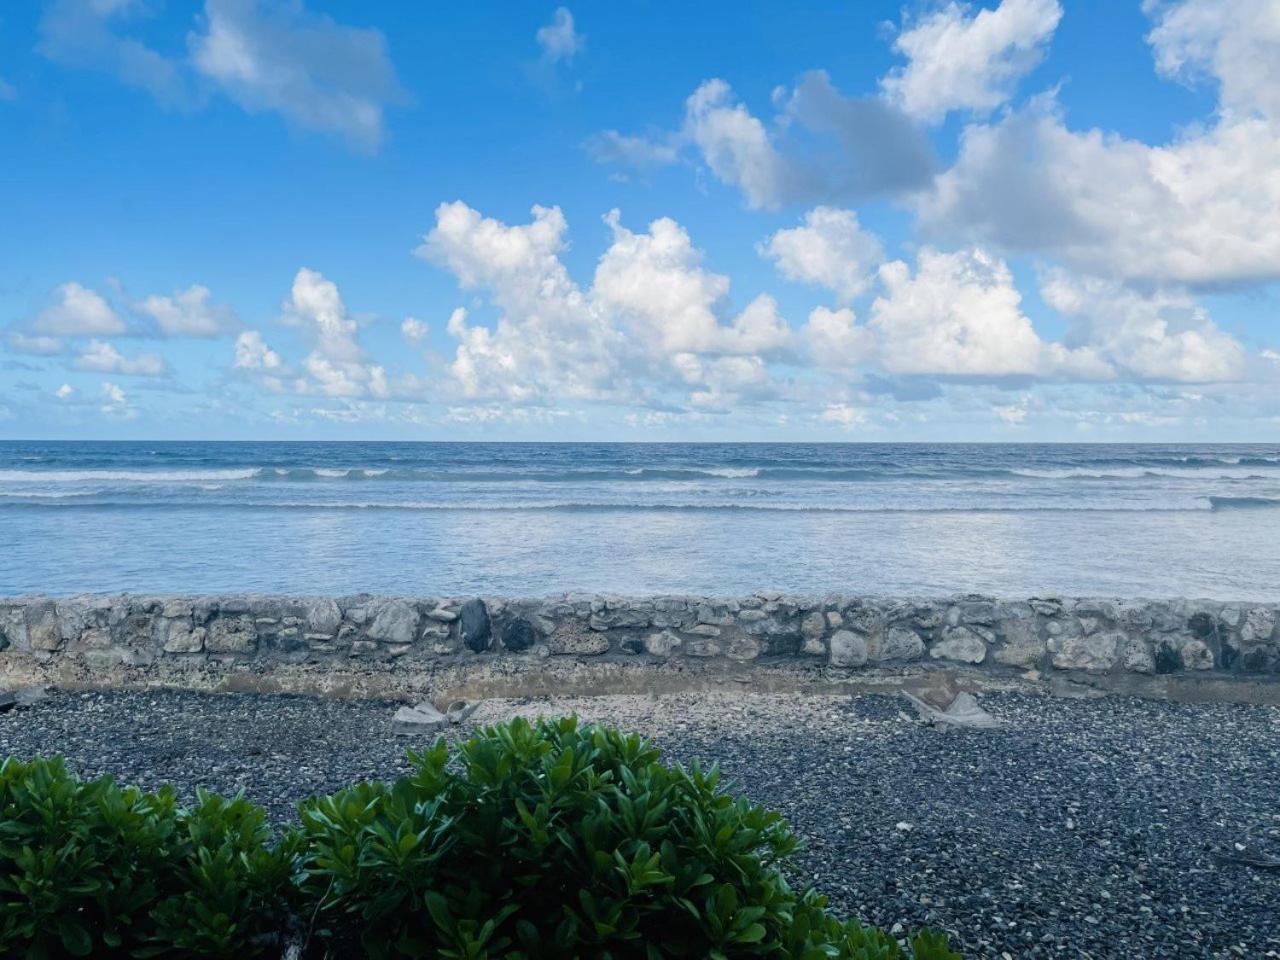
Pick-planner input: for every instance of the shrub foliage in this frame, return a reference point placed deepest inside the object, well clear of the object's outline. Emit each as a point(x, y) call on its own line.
point(88, 868)
point(529, 841)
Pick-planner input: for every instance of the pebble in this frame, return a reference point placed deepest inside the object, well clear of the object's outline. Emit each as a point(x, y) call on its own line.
point(1159, 798)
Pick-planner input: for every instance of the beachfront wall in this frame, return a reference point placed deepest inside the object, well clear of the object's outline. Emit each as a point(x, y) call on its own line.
point(370, 646)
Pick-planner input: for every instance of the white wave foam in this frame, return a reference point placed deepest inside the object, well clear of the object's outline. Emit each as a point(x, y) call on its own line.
point(326, 472)
point(1137, 473)
point(124, 476)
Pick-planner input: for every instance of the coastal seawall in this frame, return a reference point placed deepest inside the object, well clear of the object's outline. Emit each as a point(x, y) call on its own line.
point(404, 646)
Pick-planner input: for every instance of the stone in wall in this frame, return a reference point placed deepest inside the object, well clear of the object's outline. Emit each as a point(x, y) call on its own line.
point(473, 625)
point(1097, 651)
point(232, 634)
point(848, 649)
point(962, 644)
point(394, 621)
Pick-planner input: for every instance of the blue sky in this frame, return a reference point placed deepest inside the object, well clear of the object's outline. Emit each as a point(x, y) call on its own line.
point(1023, 220)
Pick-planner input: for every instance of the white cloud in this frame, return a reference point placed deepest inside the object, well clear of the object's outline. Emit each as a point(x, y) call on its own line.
point(414, 329)
point(190, 313)
point(1161, 336)
point(654, 319)
point(1202, 210)
point(735, 145)
point(558, 39)
point(844, 415)
point(102, 357)
point(1236, 42)
point(337, 366)
point(958, 59)
point(723, 383)
point(252, 353)
point(65, 391)
point(84, 33)
point(836, 341)
point(115, 403)
point(823, 147)
point(831, 250)
point(548, 341)
point(655, 282)
point(316, 73)
point(641, 153)
point(1014, 414)
point(78, 312)
point(7, 90)
point(20, 342)
point(961, 315)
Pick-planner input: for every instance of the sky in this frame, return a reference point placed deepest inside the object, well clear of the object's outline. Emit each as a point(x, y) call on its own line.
point(1024, 220)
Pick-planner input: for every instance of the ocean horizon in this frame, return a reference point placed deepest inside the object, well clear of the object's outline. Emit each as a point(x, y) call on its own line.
point(531, 519)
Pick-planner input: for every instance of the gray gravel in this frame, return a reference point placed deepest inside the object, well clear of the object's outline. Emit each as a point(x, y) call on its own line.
point(1083, 828)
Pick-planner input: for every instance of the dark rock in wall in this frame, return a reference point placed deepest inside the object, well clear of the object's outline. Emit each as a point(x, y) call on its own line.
point(519, 635)
point(473, 624)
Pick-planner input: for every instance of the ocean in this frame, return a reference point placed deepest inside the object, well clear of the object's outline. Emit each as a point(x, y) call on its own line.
point(534, 519)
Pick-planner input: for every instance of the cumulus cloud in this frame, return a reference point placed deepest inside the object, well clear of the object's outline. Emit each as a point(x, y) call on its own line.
point(1014, 414)
point(78, 311)
point(830, 250)
point(1158, 336)
point(65, 391)
point(653, 319)
point(822, 147)
point(844, 415)
point(252, 353)
point(413, 329)
point(115, 403)
point(548, 341)
point(1202, 210)
point(960, 314)
point(655, 282)
point(558, 39)
point(337, 366)
point(1233, 42)
point(835, 339)
point(102, 357)
point(190, 313)
point(20, 342)
point(959, 59)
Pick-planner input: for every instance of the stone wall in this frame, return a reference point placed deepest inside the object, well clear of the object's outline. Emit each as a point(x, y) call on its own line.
point(104, 640)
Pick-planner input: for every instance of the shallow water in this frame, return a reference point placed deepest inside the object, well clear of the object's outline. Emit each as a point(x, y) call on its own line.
point(529, 519)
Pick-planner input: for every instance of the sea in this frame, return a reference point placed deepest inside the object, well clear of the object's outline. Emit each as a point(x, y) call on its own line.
point(536, 519)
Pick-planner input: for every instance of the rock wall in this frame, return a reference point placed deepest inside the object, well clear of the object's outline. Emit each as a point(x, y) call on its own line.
point(101, 639)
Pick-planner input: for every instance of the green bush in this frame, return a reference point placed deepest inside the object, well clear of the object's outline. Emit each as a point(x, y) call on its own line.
point(555, 840)
point(542, 840)
point(94, 869)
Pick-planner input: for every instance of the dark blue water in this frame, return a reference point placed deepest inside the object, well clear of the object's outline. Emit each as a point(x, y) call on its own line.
point(1170, 520)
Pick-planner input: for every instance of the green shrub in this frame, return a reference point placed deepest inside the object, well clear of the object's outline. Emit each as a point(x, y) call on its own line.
point(94, 869)
point(554, 840)
point(532, 841)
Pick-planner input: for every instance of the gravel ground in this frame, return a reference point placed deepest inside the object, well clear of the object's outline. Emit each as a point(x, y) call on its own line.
point(1083, 828)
